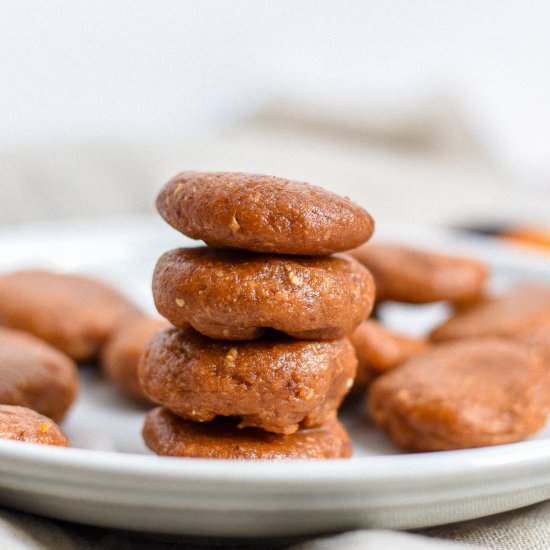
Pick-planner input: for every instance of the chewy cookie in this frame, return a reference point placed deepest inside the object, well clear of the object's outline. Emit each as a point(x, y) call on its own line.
point(120, 357)
point(405, 274)
point(235, 296)
point(74, 314)
point(167, 434)
point(508, 315)
point(22, 424)
point(276, 384)
point(262, 213)
point(35, 375)
point(471, 393)
point(379, 350)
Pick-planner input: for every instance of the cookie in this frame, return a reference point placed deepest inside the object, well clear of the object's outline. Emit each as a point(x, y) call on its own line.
point(262, 214)
point(167, 434)
point(406, 274)
point(458, 395)
point(120, 357)
point(22, 424)
point(514, 312)
point(35, 375)
point(277, 384)
point(236, 295)
point(379, 350)
point(538, 338)
point(74, 314)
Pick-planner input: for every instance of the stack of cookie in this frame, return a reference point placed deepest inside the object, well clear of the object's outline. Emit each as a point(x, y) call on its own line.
point(259, 360)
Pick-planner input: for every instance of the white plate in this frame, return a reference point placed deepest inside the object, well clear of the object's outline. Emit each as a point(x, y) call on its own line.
point(110, 479)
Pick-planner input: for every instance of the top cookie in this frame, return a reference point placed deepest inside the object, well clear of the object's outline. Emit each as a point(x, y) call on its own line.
point(262, 213)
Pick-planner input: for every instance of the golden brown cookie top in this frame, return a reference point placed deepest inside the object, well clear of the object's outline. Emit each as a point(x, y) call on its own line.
point(166, 434)
point(22, 424)
point(235, 295)
point(35, 375)
point(463, 394)
point(516, 311)
point(406, 274)
point(73, 313)
point(262, 213)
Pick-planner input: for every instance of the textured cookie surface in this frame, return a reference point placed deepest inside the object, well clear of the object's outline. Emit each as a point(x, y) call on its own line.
point(519, 310)
point(73, 313)
point(277, 384)
point(120, 357)
point(262, 213)
point(22, 424)
point(168, 435)
point(471, 393)
point(235, 295)
point(406, 274)
point(35, 375)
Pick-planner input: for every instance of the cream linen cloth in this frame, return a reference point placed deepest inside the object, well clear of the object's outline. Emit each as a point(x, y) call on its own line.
point(525, 529)
point(413, 165)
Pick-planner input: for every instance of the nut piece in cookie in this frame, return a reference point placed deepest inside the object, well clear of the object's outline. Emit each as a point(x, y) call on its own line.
point(26, 425)
point(379, 350)
point(235, 295)
point(521, 309)
point(74, 314)
point(458, 395)
point(120, 357)
point(262, 214)
point(277, 384)
point(167, 434)
point(35, 375)
point(405, 274)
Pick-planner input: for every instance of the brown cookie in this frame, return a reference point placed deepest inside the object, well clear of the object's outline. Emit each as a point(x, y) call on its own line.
point(262, 213)
point(73, 313)
point(167, 434)
point(277, 384)
point(22, 424)
point(379, 350)
point(120, 357)
point(35, 375)
point(406, 274)
point(518, 310)
point(471, 393)
point(538, 338)
point(235, 295)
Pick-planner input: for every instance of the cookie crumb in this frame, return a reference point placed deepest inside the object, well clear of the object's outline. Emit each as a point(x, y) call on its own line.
point(234, 225)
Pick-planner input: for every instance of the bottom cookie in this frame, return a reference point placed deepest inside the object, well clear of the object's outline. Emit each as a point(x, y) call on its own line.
point(22, 424)
point(168, 435)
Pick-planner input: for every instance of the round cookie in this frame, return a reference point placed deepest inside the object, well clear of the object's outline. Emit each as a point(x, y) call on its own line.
point(276, 384)
point(35, 375)
point(74, 314)
point(168, 435)
point(471, 393)
point(405, 274)
point(508, 315)
point(379, 350)
point(22, 424)
point(120, 357)
point(235, 295)
point(262, 213)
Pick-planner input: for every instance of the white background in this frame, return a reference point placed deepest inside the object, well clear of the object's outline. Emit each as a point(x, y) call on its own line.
point(124, 68)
